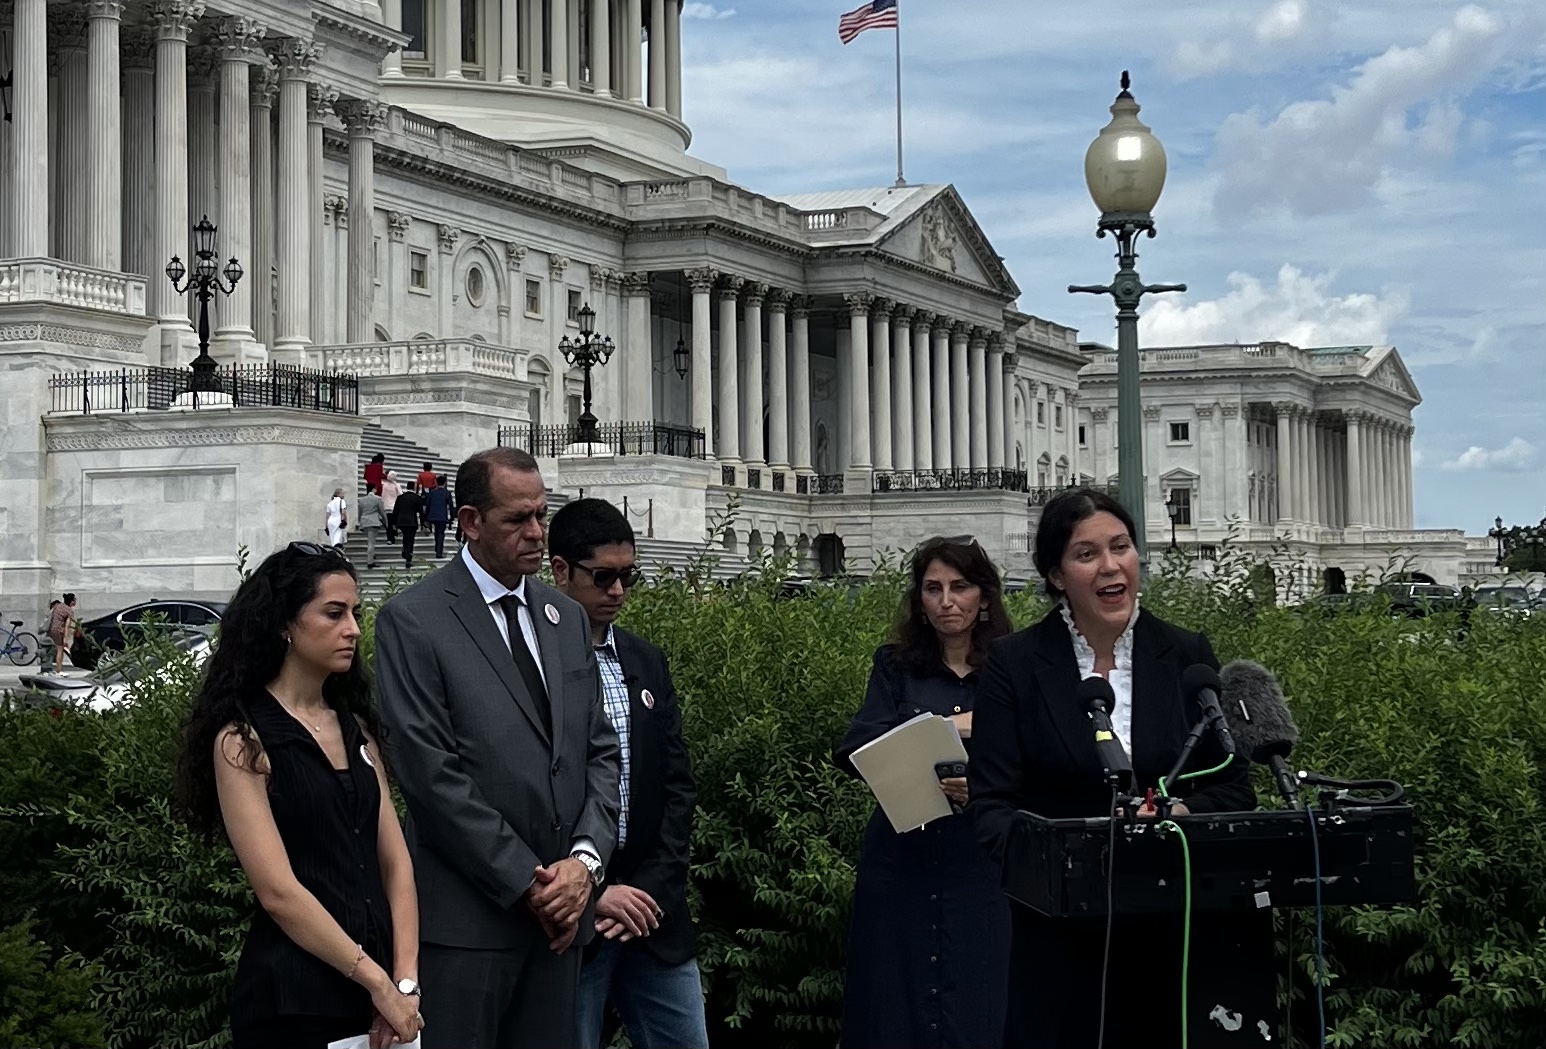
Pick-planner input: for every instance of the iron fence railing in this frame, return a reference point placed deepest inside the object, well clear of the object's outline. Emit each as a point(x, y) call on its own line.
point(239, 386)
point(827, 484)
point(949, 481)
point(652, 438)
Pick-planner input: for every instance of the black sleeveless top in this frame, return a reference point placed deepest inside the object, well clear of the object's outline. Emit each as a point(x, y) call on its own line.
point(327, 819)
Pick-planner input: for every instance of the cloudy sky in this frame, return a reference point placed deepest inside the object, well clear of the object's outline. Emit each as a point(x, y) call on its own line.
point(1361, 171)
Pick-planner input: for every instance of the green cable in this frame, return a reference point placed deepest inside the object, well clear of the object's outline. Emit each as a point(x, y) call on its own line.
point(1165, 790)
point(1186, 924)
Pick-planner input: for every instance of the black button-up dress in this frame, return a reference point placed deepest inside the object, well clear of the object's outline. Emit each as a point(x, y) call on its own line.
point(928, 952)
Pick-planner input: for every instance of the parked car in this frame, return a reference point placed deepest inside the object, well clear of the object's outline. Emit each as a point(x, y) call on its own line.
point(118, 630)
point(1508, 599)
point(1420, 599)
point(108, 689)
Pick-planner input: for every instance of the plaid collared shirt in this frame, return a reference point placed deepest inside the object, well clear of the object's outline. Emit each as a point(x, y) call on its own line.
point(614, 695)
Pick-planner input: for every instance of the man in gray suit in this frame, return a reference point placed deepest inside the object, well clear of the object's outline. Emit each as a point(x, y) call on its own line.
point(501, 745)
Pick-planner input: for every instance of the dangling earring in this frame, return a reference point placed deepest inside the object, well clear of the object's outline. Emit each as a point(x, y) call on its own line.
point(982, 616)
point(287, 640)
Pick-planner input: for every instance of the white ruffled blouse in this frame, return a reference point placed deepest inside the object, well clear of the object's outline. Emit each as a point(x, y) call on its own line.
point(1120, 679)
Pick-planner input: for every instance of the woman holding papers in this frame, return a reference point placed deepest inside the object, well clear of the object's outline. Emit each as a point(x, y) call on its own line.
point(1036, 751)
point(929, 944)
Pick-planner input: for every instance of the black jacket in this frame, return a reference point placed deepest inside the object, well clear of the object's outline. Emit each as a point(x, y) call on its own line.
point(409, 511)
point(661, 799)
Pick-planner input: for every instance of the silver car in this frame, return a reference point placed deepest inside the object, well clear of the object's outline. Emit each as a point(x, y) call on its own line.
point(109, 688)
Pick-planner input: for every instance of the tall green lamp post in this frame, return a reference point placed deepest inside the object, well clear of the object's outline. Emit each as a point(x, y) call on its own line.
point(1125, 171)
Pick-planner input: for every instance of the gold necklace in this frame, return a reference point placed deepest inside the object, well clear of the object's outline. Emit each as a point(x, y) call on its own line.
point(297, 717)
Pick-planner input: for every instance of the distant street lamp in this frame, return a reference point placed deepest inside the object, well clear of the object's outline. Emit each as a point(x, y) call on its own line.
point(1497, 535)
point(1125, 171)
point(586, 352)
point(204, 281)
point(680, 357)
point(1173, 511)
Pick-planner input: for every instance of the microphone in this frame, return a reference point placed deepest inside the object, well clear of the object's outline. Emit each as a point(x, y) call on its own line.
point(1254, 705)
point(1097, 699)
point(1202, 681)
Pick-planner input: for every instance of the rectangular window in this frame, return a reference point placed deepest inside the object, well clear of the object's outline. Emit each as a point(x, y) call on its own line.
point(1057, 416)
point(413, 25)
point(1081, 436)
point(418, 270)
point(470, 31)
point(574, 306)
point(1181, 501)
point(1180, 433)
point(533, 298)
point(1041, 413)
point(573, 404)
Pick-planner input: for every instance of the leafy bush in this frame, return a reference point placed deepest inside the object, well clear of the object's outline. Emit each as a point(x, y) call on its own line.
point(45, 1003)
point(1455, 711)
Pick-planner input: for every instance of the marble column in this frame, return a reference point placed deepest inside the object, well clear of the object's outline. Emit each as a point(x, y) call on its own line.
point(509, 41)
point(392, 18)
point(203, 184)
point(1388, 472)
point(995, 401)
point(576, 33)
point(633, 29)
point(138, 192)
point(292, 256)
point(674, 58)
point(702, 401)
point(28, 159)
point(448, 61)
point(977, 388)
point(173, 19)
point(858, 406)
point(880, 385)
point(751, 373)
point(1285, 465)
point(842, 355)
point(941, 390)
point(531, 41)
point(264, 90)
point(729, 373)
point(1010, 382)
point(902, 387)
point(601, 47)
point(7, 194)
point(319, 110)
point(237, 40)
point(104, 116)
point(778, 379)
point(363, 119)
point(639, 376)
point(924, 422)
point(71, 147)
point(558, 43)
point(800, 384)
point(1354, 471)
point(960, 400)
point(657, 54)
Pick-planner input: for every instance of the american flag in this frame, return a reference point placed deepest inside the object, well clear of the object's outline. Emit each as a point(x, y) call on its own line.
point(877, 14)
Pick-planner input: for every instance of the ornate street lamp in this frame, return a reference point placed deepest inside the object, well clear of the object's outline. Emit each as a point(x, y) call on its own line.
point(680, 357)
point(585, 353)
point(1497, 535)
point(1125, 171)
point(204, 281)
point(1173, 511)
point(1516, 538)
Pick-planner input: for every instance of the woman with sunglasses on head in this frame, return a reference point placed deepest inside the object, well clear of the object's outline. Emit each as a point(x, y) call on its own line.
point(929, 943)
point(282, 751)
point(1036, 751)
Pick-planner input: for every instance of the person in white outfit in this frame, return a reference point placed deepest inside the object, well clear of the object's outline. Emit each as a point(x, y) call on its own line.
point(337, 519)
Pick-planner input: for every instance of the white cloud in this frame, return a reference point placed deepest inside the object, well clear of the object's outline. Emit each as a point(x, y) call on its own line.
point(1297, 309)
point(1323, 155)
point(707, 12)
point(1517, 455)
point(1282, 22)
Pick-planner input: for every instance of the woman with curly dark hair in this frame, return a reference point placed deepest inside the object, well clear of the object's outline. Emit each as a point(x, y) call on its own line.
point(282, 751)
point(928, 952)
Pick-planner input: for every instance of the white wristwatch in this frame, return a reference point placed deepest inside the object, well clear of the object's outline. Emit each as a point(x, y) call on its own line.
point(409, 986)
point(592, 864)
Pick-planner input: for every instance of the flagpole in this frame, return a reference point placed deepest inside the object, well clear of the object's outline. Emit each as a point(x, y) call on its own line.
point(900, 180)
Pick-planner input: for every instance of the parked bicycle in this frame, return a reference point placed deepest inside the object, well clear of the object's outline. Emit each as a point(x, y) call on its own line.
point(21, 647)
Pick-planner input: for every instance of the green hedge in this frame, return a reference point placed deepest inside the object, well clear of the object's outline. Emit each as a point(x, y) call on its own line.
point(768, 684)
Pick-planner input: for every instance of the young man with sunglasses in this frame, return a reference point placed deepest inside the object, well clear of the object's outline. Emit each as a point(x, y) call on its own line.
point(643, 962)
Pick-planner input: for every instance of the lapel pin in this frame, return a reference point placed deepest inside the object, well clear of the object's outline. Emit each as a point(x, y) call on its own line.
point(365, 753)
point(647, 699)
point(552, 614)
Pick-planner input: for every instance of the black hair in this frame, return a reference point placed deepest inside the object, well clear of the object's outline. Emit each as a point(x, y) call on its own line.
point(250, 653)
point(916, 641)
point(1061, 517)
point(379, 457)
point(429, 466)
point(474, 484)
point(581, 525)
point(442, 479)
point(69, 599)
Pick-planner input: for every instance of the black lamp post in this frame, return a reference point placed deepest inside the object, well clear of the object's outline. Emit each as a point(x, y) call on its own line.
point(1174, 511)
point(1496, 535)
point(1519, 537)
point(585, 353)
point(680, 357)
point(204, 280)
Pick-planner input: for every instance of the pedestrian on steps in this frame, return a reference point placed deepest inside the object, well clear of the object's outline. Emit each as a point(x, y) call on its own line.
point(409, 514)
point(438, 511)
point(374, 472)
point(390, 490)
point(373, 521)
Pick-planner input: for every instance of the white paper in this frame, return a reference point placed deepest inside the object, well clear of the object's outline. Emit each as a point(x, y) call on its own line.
point(899, 768)
point(362, 1041)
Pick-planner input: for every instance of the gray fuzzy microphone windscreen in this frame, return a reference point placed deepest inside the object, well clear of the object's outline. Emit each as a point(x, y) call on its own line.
point(1258, 717)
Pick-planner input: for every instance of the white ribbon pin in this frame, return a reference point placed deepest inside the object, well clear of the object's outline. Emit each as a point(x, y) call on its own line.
point(365, 753)
point(647, 699)
point(552, 614)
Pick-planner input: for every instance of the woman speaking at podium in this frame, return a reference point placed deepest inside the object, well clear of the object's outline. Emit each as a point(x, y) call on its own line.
point(1034, 749)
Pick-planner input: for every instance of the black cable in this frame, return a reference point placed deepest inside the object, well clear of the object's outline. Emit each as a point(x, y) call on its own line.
point(1105, 959)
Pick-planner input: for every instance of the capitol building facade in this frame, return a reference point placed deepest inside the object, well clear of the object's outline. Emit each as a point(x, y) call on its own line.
point(426, 196)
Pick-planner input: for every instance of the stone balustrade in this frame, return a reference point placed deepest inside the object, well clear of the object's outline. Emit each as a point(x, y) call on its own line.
point(68, 284)
point(423, 357)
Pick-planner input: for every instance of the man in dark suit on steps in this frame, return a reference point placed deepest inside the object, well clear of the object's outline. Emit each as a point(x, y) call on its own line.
point(643, 963)
point(499, 741)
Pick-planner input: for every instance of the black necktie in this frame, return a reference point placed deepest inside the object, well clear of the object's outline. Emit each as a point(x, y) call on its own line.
point(523, 659)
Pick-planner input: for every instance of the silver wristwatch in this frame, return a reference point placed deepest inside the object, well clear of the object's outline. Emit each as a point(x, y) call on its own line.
point(592, 864)
point(409, 986)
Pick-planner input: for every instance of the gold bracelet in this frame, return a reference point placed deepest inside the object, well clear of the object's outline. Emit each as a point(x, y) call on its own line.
point(357, 959)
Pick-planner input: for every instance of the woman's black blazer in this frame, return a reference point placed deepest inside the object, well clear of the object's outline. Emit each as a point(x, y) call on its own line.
point(1033, 747)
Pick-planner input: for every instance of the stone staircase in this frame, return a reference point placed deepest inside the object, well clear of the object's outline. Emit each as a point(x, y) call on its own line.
point(402, 455)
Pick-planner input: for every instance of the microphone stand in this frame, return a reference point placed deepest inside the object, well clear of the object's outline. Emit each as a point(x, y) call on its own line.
point(1192, 739)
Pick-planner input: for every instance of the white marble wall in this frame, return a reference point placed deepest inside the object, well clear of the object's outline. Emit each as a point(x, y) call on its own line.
point(679, 488)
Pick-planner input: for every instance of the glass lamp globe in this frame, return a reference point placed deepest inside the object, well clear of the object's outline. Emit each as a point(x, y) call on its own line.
point(1124, 167)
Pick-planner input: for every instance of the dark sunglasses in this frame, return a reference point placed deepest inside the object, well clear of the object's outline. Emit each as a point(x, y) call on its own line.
point(315, 550)
point(605, 577)
point(961, 540)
